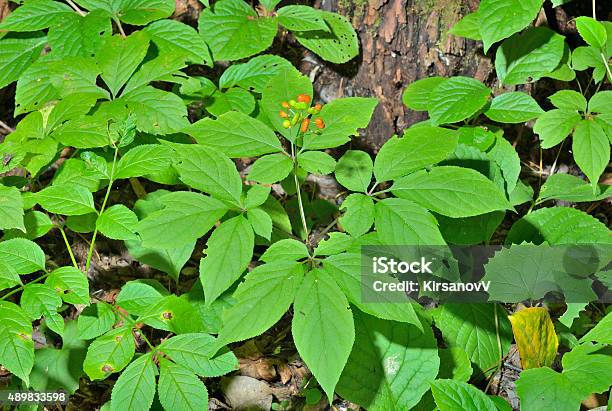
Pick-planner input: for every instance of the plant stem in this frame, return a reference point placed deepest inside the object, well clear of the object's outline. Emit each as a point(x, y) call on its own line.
point(74, 262)
point(76, 8)
point(6, 127)
point(119, 26)
point(16, 290)
point(299, 192)
point(131, 322)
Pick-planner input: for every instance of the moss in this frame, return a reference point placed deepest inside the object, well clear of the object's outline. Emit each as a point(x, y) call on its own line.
point(448, 10)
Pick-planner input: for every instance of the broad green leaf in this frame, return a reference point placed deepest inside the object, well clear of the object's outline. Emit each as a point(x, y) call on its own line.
point(454, 364)
point(228, 253)
point(558, 225)
point(186, 216)
point(109, 354)
point(528, 56)
point(172, 313)
point(535, 337)
point(452, 395)
point(164, 67)
point(271, 168)
point(359, 215)
point(171, 36)
point(591, 149)
point(168, 260)
point(11, 209)
point(236, 135)
point(553, 126)
point(261, 222)
point(209, 171)
point(71, 284)
point(601, 332)
point(509, 165)
point(233, 30)
point(77, 35)
point(261, 300)
point(451, 191)
point(85, 223)
point(500, 19)
point(16, 55)
point(354, 170)
point(396, 157)
point(234, 99)
point(256, 196)
point(567, 187)
point(592, 31)
point(8, 276)
point(254, 74)
point(285, 250)
point(400, 221)
point(138, 12)
point(38, 300)
point(338, 44)
point(589, 367)
point(584, 58)
point(456, 99)
point(157, 111)
point(416, 95)
point(343, 118)
point(316, 162)
point(138, 295)
point(572, 312)
point(334, 244)
point(470, 230)
point(118, 222)
point(301, 18)
point(513, 107)
point(135, 388)
point(468, 27)
point(543, 388)
point(66, 200)
point(84, 132)
point(472, 327)
point(601, 102)
point(16, 344)
point(568, 100)
point(119, 57)
point(198, 352)
point(95, 320)
point(23, 256)
point(391, 364)
point(323, 328)
point(179, 388)
point(35, 15)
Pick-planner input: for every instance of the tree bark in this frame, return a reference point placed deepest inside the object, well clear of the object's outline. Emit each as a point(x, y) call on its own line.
point(401, 41)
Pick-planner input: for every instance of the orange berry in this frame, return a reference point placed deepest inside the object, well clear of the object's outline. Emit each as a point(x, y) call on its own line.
point(285, 104)
point(318, 107)
point(283, 114)
point(319, 123)
point(305, 124)
point(304, 98)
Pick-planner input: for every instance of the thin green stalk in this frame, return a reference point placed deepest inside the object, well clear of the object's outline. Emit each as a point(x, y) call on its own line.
point(16, 290)
point(74, 262)
point(299, 191)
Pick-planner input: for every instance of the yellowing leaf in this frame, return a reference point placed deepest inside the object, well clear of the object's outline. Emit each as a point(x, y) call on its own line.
point(535, 337)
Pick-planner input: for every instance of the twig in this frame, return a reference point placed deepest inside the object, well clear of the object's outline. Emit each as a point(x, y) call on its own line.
point(75, 7)
point(6, 127)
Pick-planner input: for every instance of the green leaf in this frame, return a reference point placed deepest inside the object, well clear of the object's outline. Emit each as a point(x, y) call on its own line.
point(83, 132)
point(451, 191)
point(390, 366)
point(567, 187)
point(77, 35)
point(16, 344)
point(452, 395)
point(118, 222)
point(584, 58)
point(66, 200)
point(472, 327)
point(338, 44)
point(233, 30)
point(470, 230)
point(256, 196)
point(198, 352)
point(500, 19)
point(71, 284)
point(271, 169)
point(591, 150)
point(11, 209)
point(323, 329)
point(236, 135)
point(343, 118)
point(359, 215)
point(38, 300)
point(285, 250)
point(254, 74)
point(528, 56)
point(542, 388)
point(316, 162)
point(505, 156)
point(400, 221)
point(120, 57)
point(8, 276)
point(228, 253)
point(138, 12)
point(396, 157)
point(454, 364)
point(16, 55)
point(95, 320)
point(416, 96)
point(568, 100)
point(334, 244)
point(164, 67)
point(135, 388)
point(592, 31)
point(553, 126)
point(513, 107)
point(301, 18)
point(234, 99)
point(180, 389)
point(109, 354)
point(558, 225)
point(23, 256)
point(261, 222)
point(468, 27)
point(168, 260)
point(261, 300)
point(186, 216)
point(456, 99)
point(601, 102)
point(157, 111)
point(209, 171)
point(601, 332)
point(138, 295)
point(35, 15)
point(171, 36)
point(354, 170)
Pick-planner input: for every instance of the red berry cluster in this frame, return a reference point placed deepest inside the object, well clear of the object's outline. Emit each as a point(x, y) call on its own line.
point(297, 110)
